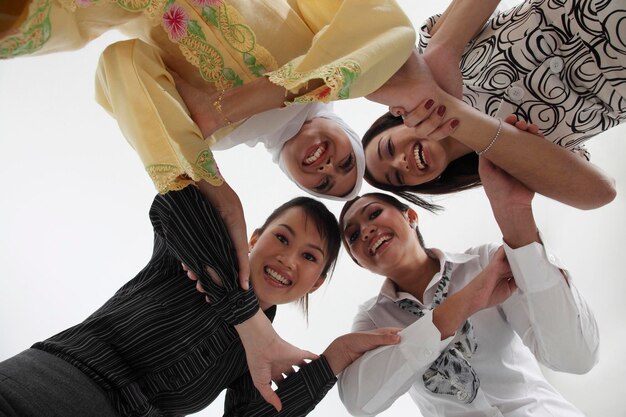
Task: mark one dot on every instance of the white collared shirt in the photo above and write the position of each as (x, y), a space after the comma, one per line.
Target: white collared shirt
(545, 320)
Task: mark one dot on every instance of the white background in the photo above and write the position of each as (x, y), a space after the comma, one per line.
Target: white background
(74, 223)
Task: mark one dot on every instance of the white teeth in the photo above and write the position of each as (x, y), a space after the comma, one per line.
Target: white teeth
(315, 155)
(418, 154)
(377, 244)
(276, 276)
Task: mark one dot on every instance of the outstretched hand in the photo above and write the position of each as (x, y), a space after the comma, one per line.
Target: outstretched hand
(227, 203)
(347, 348)
(268, 355)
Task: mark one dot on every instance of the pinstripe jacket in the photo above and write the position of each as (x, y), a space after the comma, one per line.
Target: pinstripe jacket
(158, 349)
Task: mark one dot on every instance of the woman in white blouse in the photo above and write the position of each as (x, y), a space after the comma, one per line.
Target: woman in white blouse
(476, 324)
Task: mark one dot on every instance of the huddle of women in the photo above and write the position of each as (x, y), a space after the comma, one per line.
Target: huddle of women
(504, 100)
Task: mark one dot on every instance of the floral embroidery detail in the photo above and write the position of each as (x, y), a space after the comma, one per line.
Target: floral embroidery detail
(337, 77)
(33, 33)
(83, 3)
(175, 21)
(167, 177)
(137, 5)
(207, 3)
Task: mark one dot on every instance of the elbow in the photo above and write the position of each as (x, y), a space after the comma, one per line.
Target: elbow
(600, 196)
(350, 401)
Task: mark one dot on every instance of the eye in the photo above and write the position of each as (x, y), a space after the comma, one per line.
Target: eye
(390, 148)
(323, 185)
(399, 178)
(375, 213)
(282, 239)
(347, 164)
(353, 237)
(309, 257)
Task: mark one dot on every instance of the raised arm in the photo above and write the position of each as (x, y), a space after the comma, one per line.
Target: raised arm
(397, 367)
(195, 234)
(454, 29)
(302, 390)
(549, 314)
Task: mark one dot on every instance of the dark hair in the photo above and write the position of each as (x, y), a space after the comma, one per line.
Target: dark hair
(460, 174)
(327, 227)
(385, 198)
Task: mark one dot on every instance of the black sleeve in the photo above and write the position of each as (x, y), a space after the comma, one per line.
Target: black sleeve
(196, 235)
(299, 393)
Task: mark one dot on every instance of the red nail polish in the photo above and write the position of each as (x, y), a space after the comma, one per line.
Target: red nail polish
(429, 104)
(454, 124)
(441, 110)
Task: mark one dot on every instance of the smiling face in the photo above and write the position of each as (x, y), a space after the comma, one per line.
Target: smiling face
(398, 157)
(379, 236)
(287, 259)
(320, 158)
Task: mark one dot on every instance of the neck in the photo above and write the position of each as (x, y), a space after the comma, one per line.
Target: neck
(264, 305)
(414, 276)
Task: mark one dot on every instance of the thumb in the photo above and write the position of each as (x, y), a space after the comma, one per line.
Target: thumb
(269, 395)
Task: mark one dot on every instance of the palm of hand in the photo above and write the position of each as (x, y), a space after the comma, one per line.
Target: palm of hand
(501, 187)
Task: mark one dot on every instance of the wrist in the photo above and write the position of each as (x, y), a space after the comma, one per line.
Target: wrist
(256, 329)
(252, 98)
(335, 357)
(449, 316)
(518, 226)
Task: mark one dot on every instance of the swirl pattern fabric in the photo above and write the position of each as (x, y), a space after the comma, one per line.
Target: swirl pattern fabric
(557, 63)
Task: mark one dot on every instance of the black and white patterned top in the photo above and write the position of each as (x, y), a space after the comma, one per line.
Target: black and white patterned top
(158, 349)
(557, 63)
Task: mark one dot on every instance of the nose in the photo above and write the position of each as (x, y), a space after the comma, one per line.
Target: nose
(286, 259)
(367, 232)
(326, 167)
(399, 162)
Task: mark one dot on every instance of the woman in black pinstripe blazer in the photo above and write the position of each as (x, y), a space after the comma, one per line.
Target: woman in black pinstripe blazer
(156, 348)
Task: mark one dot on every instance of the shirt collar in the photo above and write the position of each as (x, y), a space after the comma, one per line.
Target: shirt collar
(389, 289)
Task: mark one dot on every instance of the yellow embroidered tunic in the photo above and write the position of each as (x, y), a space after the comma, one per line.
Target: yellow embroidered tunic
(353, 45)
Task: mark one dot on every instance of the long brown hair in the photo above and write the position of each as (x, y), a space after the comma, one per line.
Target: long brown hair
(460, 174)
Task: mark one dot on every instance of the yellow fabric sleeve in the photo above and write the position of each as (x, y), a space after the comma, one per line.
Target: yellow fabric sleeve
(133, 85)
(354, 53)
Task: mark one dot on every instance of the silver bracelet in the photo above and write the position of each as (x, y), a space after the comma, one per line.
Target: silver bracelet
(495, 138)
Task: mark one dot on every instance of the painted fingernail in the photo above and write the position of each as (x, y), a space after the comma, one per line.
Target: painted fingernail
(429, 104)
(441, 110)
(454, 124)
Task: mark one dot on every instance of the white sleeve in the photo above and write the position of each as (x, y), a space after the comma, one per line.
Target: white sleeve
(375, 380)
(550, 316)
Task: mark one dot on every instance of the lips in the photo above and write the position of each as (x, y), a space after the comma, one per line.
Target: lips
(379, 244)
(315, 154)
(276, 278)
(419, 156)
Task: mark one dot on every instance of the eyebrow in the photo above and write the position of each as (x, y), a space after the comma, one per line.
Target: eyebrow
(348, 225)
(380, 157)
(293, 233)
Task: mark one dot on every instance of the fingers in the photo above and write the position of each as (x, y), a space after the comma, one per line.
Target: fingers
(444, 130)
(420, 113)
(268, 394)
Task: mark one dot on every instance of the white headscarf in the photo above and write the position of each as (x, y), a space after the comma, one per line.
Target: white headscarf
(275, 127)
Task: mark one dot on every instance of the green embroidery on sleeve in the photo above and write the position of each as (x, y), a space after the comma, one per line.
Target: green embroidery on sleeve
(34, 33)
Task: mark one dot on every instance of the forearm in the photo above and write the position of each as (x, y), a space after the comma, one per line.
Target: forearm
(458, 25)
(550, 315)
(517, 225)
(395, 368)
(539, 164)
(190, 227)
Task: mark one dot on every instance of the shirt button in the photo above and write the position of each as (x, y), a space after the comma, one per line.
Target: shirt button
(516, 93)
(239, 303)
(551, 258)
(556, 65)
(428, 353)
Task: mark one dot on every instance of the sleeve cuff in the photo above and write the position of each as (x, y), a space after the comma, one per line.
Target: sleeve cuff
(534, 267)
(423, 341)
(237, 306)
(318, 377)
